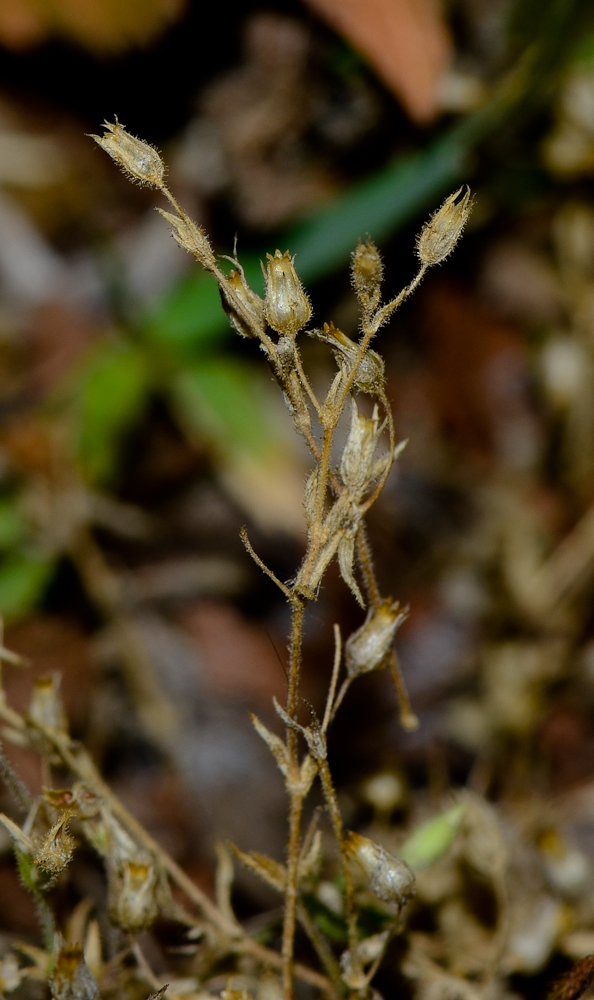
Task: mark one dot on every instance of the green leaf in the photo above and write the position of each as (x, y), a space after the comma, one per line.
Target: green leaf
(110, 395)
(23, 579)
(13, 527)
(190, 318)
(222, 399)
(432, 839)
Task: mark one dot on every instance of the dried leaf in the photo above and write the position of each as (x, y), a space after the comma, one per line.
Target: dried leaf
(406, 41)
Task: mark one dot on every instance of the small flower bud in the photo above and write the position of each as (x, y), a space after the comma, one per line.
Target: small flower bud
(46, 706)
(72, 978)
(190, 237)
(287, 307)
(439, 236)
(139, 160)
(133, 904)
(366, 273)
(389, 877)
(55, 853)
(366, 649)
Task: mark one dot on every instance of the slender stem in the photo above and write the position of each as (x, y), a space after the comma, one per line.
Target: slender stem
(349, 894)
(383, 314)
(328, 713)
(291, 892)
(322, 949)
(244, 537)
(408, 719)
(305, 382)
(296, 803)
(366, 565)
(18, 788)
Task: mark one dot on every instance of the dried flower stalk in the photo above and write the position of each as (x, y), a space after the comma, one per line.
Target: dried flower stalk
(336, 501)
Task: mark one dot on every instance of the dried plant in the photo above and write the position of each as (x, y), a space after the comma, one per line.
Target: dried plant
(337, 497)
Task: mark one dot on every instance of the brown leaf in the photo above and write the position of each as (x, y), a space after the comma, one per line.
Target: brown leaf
(406, 41)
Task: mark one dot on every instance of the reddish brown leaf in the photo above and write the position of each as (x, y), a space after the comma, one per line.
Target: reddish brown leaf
(406, 41)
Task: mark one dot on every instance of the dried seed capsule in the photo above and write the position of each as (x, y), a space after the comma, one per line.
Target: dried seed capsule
(133, 903)
(55, 853)
(370, 373)
(244, 308)
(287, 307)
(439, 236)
(46, 706)
(356, 465)
(366, 649)
(72, 978)
(389, 877)
(367, 271)
(139, 160)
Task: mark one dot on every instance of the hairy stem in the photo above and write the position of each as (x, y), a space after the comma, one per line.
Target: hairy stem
(349, 895)
(296, 804)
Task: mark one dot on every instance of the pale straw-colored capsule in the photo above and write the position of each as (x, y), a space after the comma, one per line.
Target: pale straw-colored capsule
(139, 160)
(287, 306)
(133, 904)
(439, 236)
(388, 877)
(72, 979)
(55, 853)
(46, 706)
(370, 374)
(243, 306)
(366, 649)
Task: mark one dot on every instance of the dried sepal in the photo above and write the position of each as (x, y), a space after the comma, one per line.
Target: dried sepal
(189, 236)
(370, 375)
(346, 563)
(439, 236)
(307, 773)
(310, 862)
(57, 848)
(132, 896)
(274, 743)
(309, 496)
(72, 979)
(287, 306)
(137, 158)
(269, 870)
(388, 877)
(366, 649)
(367, 272)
